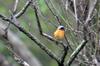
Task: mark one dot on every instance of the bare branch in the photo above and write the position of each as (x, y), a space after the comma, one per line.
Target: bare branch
(68, 43)
(53, 12)
(21, 12)
(75, 9)
(38, 21)
(64, 56)
(76, 52)
(17, 58)
(15, 6)
(91, 9)
(28, 34)
(71, 11)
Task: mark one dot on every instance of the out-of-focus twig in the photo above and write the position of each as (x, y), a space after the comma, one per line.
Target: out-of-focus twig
(75, 10)
(17, 58)
(53, 12)
(3, 61)
(70, 10)
(11, 40)
(91, 9)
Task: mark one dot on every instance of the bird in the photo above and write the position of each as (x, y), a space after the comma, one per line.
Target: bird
(59, 33)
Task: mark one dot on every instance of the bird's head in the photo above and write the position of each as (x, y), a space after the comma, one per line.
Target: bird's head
(61, 28)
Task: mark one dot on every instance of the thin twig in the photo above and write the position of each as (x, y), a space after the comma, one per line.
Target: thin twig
(73, 30)
(75, 9)
(38, 21)
(53, 12)
(91, 9)
(68, 43)
(71, 12)
(42, 15)
(15, 6)
(21, 12)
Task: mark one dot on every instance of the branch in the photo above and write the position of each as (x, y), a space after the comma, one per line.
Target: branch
(33, 38)
(70, 10)
(17, 58)
(91, 9)
(63, 57)
(15, 6)
(38, 21)
(76, 52)
(21, 12)
(68, 43)
(53, 12)
(75, 10)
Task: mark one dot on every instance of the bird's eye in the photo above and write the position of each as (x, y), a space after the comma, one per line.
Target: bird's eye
(62, 28)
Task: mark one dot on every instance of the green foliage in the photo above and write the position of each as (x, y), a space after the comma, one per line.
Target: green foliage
(2, 10)
(42, 6)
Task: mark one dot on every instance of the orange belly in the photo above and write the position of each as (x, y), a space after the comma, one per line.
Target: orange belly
(59, 34)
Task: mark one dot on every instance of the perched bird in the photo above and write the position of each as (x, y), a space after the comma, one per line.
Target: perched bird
(59, 33)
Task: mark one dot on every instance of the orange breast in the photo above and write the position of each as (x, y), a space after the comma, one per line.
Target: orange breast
(59, 34)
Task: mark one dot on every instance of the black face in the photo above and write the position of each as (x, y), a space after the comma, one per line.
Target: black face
(62, 28)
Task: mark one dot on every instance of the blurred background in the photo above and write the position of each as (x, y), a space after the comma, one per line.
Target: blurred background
(49, 23)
